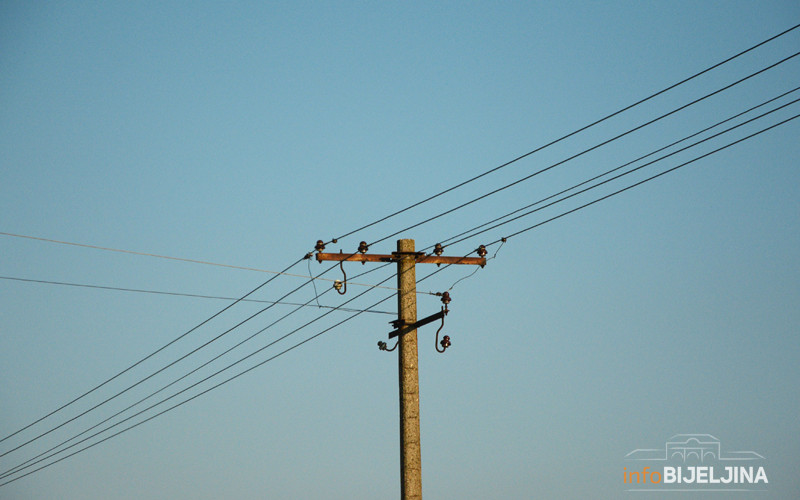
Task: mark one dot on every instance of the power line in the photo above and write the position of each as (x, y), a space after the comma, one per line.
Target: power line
(20, 468)
(90, 391)
(161, 369)
(426, 221)
(586, 127)
(514, 234)
(196, 350)
(27, 464)
(642, 181)
(320, 333)
(596, 146)
(178, 294)
(240, 343)
(310, 279)
(193, 261)
(171, 364)
(622, 166)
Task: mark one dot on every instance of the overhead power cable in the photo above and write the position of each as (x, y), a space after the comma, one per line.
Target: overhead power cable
(472, 201)
(129, 368)
(498, 240)
(605, 197)
(575, 132)
(198, 349)
(596, 146)
(207, 343)
(309, 280)
(28, 463)
(20, 468)
(17, 469)
(178, 294)
(458, 238)
(193, 261)
(502, 239)
(641, 182)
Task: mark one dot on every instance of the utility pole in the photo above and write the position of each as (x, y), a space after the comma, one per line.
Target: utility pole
(410, 451)
(408, 370)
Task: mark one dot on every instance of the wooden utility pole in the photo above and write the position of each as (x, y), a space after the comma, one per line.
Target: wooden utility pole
(410, 452)
(408, 370)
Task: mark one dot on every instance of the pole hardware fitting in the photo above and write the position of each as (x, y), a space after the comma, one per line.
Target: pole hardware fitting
(363, 247)
(320, 246)
(402, 327)
(383, 346)
(482, 251)
(438, 249)
(308, 255)
(445, 343)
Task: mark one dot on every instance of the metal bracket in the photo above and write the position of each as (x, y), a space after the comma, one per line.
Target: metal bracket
(402, 327)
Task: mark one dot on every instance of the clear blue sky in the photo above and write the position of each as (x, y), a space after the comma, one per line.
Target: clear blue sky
(240, 133)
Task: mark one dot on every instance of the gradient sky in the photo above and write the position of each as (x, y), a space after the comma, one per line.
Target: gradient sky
(242, 132)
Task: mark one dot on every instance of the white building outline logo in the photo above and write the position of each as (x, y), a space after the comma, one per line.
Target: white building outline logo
(692, 448)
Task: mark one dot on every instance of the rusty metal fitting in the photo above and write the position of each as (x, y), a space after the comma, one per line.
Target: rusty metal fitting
(362, 247)
(445, 343)
(482, 251)
(320, 246)
(445, 298)
(438, 249)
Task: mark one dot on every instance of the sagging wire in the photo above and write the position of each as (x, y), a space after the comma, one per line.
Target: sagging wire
(481, 250)
(313, 281)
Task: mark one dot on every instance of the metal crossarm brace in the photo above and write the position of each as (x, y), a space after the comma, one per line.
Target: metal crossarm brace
(402, 328)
